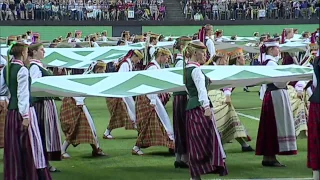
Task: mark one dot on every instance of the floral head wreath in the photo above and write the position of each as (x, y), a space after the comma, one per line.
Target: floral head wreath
(93, 65)
(164, 51)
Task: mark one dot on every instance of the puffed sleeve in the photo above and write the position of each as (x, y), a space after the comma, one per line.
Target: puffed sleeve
(227, 91)
(199, 80)
(23, 93)
(300, 86)
(211, 48)
(152, 97)
(35, 72)
(3, 87)
(179, 63)
(124, 67)
(151, 51)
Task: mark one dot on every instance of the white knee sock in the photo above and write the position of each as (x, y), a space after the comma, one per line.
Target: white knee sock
(107, 132)
(316, 175)
(65, 146)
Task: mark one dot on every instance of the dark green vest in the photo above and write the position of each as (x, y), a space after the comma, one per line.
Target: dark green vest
(13, 85)
(315, 98)
(44, 73)
(193, 100)
(180, 92)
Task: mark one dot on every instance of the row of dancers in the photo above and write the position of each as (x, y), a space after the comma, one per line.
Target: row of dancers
(144, 113)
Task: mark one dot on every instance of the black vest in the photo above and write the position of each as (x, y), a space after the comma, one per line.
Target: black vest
(315, 98)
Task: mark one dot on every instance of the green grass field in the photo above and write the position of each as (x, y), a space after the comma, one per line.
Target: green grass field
(157, 164)
(51, 32)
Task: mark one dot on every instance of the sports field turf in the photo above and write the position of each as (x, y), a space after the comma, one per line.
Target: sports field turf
(51, 32)
(157, 164)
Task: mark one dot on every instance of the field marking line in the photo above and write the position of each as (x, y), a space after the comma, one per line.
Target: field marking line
(244, 109)
(248, 116)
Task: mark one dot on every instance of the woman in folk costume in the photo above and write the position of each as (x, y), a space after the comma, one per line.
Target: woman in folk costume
(218, 35)
(288, 57)
(204, 36)
(35, 38)
(3, 102)
(314, 122)
(206, 154)
(23, 152)
(179, 110)
(228, 121)
(298, 93)
(45, 108)
(76, 121)
(77, 36)
(276, 134)
(153, 122)
(122, 110)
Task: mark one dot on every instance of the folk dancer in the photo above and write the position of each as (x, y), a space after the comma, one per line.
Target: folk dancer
(218, 35)
(153, 122)
(299, 92)
(122, 110)
(23, 153)
(46, 109)
(179, 110)
(76, 121)
(4, 100)
(206, 153)
(228, 121)
(276, 134)
(204, 36)
(77, 36)
(314, 122)
(154, 39)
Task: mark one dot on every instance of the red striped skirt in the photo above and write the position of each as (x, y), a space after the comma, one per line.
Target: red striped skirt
(40, 111)
(314, 137)
(18, 158)
(267, 139)
(205, 155)
(179, 123)
(164, 97)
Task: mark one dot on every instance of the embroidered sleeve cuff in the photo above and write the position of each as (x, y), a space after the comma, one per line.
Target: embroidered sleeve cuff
(25, 116)
(206, 107)
(227, 92)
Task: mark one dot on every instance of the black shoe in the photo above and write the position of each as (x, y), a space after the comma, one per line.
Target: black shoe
(246, 89)
(272, 164)
(171, 151)
(181, 164)
(247, 149)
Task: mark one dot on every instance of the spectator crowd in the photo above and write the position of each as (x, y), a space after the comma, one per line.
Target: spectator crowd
(80, 10)
(250, 9)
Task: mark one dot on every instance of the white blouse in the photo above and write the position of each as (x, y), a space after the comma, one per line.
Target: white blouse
(35, 71)
(153, 97)
(274, 62)
(180, 62)
(211, 47)
(126, 66)
(199, 81)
